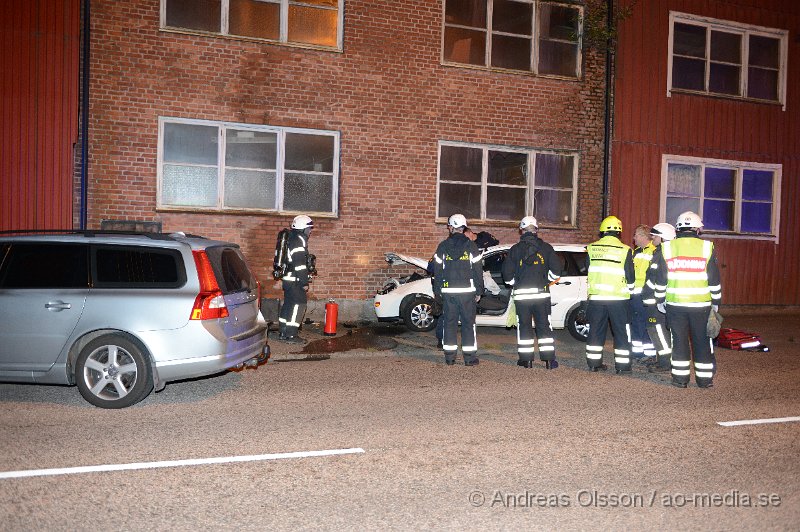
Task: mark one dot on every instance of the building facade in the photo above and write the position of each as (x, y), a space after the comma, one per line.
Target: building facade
(379, 119)
(706, 119)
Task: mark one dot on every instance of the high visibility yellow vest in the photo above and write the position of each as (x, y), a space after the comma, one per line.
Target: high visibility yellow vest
(641, 262)
(606, 276)
(687, 276)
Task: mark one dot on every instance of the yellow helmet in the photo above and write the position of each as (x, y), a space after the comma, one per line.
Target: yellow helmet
(611, 223)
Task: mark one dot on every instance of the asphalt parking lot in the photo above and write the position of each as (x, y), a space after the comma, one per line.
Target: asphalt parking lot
(384, 435)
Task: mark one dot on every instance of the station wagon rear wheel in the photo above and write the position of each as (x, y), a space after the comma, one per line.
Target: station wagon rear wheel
(113, 372)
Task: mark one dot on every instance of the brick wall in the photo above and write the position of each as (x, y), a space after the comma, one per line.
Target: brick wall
(387, 94)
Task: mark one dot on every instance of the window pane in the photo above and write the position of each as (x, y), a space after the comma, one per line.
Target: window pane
(762, 84)
(459, 163)
(308, 192)
(255, 18)
(676, 206)
(554, 170)
(688, 73)
(313, 25)
(465, 46)
(249, 189)
(689, 40)
(454, 198)
(720, 183)
(683, 180)
(503, 203)
(466, 13)
(552, 206)
(757, 217)
(250, 149)
(558, 22)
(189, 185)
(45, 266)
(726, 47)
(201, 15)
(764, 52)
(186, 143)
(757, 185)
(718, 215)
(309, 152)
(507, 168)
(723, 79)
(511, 52)
(558, 58)
(137, 268)
(512, 17)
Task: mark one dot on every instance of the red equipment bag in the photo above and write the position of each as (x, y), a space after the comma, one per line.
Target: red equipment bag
(739, 340)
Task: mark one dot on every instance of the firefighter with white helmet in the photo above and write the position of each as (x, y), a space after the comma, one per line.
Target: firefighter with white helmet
(687, 287)
(295, 281)
(611, 280)
(531, 266)
(657, 326)
(458, 284)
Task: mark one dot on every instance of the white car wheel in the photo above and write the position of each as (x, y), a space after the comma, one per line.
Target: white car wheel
(418, 314)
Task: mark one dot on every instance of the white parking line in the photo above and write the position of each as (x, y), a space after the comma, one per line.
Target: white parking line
(175, 463)
(758, 421)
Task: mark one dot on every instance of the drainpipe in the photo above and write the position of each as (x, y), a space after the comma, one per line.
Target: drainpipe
(84, 113)
(608, 110)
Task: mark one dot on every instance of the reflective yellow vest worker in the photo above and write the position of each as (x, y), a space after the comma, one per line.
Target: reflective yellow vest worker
(641, 262)
(687, 276)
(607, 269)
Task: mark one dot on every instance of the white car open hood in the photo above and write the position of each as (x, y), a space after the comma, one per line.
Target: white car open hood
(396, 258)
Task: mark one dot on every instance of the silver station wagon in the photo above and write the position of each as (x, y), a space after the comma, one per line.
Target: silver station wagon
(120, 315)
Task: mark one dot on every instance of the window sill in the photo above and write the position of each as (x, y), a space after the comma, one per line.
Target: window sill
(200, 33)
(241, 212)
(497, 70)
(714, 95)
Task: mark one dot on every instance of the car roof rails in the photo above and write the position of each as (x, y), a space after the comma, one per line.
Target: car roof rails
(94, 232)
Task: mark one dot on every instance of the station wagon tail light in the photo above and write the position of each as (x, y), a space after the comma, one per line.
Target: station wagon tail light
(209, 303)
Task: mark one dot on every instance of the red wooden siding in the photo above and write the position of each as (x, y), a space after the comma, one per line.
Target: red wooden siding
(648, 124)
(39, 109)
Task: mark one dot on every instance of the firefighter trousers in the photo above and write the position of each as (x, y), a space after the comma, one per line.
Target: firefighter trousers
(599, 313)
(641, 344)
(538, 311)
(293, 309)
(660, 335)
(459, 307)
(691, 344)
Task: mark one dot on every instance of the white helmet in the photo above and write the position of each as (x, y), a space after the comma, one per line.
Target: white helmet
(528, 221)
(664, 230)
(456, 221)
(302, 222)
(689, 220)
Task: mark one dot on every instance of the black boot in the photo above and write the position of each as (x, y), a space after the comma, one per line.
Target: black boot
(525, 363)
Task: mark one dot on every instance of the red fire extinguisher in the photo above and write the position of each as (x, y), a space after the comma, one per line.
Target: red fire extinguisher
(331, 314)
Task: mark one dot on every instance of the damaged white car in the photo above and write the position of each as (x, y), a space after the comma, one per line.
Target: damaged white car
(410, 298)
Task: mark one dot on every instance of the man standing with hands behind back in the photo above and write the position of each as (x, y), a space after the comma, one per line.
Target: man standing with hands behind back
(530, 268)
(458, 282)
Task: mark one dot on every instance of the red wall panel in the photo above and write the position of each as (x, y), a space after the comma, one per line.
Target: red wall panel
(39, 73)
(648, 125)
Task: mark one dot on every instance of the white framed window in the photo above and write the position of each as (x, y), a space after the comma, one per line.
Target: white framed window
(519, 35)
(225, 166)
(727, 59)
(316, 23)
(502, 183)
(733, 198)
